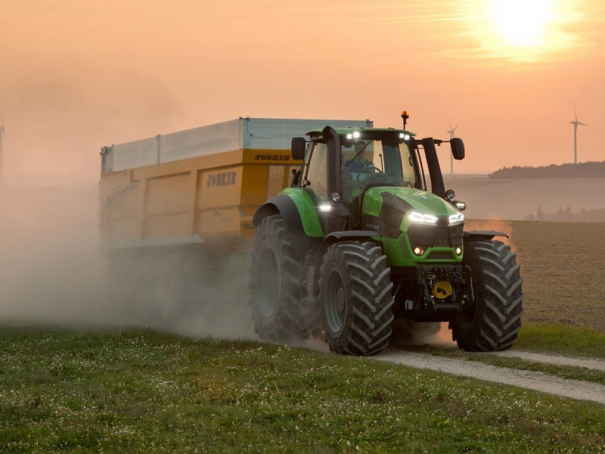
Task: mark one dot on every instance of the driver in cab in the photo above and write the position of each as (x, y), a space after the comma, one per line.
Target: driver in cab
(355, 171)
(358, 163)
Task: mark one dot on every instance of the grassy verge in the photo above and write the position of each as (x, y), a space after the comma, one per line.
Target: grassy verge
(562, 339)
(144, 391)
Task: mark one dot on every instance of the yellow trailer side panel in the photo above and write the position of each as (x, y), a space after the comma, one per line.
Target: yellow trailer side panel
(208, 198)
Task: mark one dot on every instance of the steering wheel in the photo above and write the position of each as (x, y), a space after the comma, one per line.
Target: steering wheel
(373, 168)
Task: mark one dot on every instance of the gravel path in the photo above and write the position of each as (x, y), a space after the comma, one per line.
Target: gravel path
(558, 360)
(536, 381)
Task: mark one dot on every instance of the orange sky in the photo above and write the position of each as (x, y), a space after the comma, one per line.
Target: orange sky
(77, 74)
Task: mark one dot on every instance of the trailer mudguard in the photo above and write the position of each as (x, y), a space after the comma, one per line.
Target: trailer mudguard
(296, 208)
(482, 235)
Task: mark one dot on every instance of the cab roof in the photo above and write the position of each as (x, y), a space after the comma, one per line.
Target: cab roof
(371, 132)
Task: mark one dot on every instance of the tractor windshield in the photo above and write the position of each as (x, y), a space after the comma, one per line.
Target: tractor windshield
(364, 162)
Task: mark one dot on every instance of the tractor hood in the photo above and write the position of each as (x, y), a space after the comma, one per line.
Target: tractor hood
(391, 210)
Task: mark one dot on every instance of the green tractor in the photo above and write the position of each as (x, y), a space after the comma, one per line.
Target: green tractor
(358, 240)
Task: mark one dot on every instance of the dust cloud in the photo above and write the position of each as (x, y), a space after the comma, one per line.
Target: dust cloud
(425, 333)
(52, 272)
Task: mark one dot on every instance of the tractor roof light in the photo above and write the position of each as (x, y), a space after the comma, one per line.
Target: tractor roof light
(415, 216)
(457, 218)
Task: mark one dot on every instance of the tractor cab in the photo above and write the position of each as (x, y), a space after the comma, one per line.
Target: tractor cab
(342, 165)
(366, 157)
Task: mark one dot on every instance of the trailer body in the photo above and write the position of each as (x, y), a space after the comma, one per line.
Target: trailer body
(198, 186)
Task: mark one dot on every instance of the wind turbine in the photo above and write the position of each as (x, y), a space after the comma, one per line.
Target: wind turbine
(451, 133)
(575, 134)
(2, 153)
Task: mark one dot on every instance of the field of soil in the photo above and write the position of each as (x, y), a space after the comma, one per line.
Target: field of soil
(563, 266)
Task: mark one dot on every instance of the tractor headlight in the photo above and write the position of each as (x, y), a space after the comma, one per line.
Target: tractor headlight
(415, 216)
(418, 250)
(457, 218)
(325, 207)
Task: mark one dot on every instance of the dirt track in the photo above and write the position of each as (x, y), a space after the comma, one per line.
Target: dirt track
(536, 381)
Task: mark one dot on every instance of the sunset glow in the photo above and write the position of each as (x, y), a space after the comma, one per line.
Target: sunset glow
(525, 31)
(80, 75)
(521, 23)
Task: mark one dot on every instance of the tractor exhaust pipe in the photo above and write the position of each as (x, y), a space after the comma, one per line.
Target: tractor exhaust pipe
(432, 162)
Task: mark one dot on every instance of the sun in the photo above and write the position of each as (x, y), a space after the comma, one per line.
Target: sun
(521, 23)
(523, 31)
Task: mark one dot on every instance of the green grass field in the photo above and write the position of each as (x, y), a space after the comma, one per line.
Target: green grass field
(141, 391)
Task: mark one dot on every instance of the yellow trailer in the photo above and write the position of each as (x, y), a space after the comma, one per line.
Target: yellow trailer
(200, 186)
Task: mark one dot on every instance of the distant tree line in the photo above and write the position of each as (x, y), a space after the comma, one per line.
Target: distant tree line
(566, 215)
(582, 170)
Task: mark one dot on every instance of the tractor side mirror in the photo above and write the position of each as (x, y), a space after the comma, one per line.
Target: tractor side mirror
(299, 146)
(458, 204)
(457, 148)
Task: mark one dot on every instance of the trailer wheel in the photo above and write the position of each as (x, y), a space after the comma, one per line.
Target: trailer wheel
(493, 322)
(277, 309)
(356, 298)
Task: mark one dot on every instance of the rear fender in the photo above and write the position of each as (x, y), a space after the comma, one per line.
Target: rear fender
(297, 210)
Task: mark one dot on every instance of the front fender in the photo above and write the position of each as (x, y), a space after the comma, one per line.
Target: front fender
(481, 235)
(337, 237)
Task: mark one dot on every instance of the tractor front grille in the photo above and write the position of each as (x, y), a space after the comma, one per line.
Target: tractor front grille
(427, 236)
(441, 255)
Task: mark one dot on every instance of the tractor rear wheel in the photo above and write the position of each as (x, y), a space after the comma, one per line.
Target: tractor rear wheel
(356, 298)
(492, 323)
(276, 282)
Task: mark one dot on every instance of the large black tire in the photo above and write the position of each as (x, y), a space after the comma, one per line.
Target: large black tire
(355, 293)
(278, 311)
(493, 322)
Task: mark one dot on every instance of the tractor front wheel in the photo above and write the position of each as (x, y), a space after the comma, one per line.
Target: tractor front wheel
(356, 298)
(492, 323)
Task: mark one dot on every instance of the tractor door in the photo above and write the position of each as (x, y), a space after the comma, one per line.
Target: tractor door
(321, 179)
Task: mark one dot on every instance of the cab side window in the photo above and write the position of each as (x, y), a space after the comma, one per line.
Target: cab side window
(317, 175)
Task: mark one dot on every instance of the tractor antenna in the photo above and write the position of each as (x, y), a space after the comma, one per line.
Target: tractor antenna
(405, 115)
